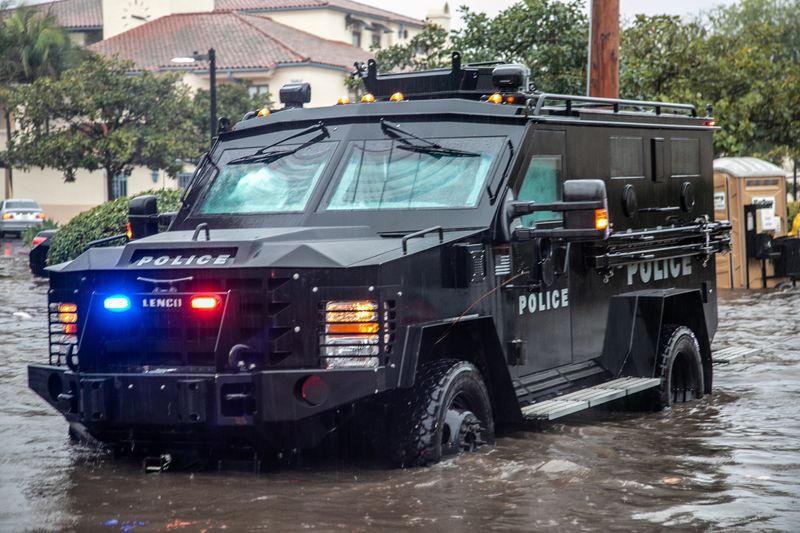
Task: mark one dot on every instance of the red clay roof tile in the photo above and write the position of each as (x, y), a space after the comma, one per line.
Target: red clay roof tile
(241, 42)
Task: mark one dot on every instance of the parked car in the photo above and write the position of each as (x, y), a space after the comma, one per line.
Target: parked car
(18, 215)
(40, 245)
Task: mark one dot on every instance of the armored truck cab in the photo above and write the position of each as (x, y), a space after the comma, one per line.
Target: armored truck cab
(451, 255)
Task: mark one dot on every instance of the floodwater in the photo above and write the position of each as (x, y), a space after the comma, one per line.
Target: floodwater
(729, 462)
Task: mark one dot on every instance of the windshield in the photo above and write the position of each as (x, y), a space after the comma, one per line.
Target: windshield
(21, 204)
(279, 183)
(404, 174)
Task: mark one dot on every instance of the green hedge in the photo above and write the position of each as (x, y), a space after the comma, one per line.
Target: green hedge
(28, 235)
(102, 221)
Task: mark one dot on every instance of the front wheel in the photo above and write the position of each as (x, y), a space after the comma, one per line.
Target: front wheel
(680, 367)
(446, 412)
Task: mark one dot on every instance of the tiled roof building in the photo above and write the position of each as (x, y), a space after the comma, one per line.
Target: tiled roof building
(266, 43)
(242, 42)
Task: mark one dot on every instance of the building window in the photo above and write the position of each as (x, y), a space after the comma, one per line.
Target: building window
(119, 186)
(260, 92)
(184, 178)
(154, 175)
(376, 40)
(357, 38)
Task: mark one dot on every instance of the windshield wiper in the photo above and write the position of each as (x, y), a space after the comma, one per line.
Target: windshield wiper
(263, 155)
(200, 172)
(429, 147)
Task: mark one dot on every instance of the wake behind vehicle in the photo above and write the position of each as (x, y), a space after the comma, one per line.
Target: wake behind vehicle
(452, 256)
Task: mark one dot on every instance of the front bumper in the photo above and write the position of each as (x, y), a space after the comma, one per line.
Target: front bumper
(102, 402)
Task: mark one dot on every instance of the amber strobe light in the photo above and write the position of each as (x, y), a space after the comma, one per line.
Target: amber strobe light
(63, 329)
(368, 98)
(350, 338)
(496, 98)
(344, 100)
(600, 219)
(397, 97)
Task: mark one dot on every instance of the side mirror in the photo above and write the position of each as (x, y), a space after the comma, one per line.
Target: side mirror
(585, 209)
(142, 217)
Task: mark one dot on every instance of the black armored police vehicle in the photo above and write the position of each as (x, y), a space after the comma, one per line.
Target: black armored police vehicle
(452, 255)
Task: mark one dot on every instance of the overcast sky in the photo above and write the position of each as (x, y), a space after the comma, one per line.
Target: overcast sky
(628, 8)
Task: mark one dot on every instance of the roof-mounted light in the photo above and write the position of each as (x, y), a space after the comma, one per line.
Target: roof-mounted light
(344, 100)
(496, 98)
(397, 97)
(368, 98)
(263, 112)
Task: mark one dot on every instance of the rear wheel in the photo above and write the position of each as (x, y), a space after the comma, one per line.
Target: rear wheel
(680, 367)
(446, 412)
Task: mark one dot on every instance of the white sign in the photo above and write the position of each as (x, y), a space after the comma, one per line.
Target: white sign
(766, 215)
(719, 201)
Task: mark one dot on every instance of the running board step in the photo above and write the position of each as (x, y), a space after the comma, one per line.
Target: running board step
(727, 355)
(587, 398)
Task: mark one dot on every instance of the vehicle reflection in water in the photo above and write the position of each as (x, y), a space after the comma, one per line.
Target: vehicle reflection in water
(731, 461)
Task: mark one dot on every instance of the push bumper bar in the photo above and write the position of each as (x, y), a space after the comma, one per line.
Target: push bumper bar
(199, 400)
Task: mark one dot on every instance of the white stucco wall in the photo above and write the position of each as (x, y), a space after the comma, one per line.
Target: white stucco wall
(330, 24)
(327, 85)
(61, 201)
(115, 10)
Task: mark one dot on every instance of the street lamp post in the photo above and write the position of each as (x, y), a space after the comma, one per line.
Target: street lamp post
(211, 57)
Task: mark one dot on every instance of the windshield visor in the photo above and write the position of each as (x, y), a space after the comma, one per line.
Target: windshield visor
(406, 174)
(278, 181)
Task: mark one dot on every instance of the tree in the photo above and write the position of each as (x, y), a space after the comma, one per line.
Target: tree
(549, 36)
(743, 59)
(32, 45)
(426, 50)
(100, 116)
(233, 101)
(661, 58)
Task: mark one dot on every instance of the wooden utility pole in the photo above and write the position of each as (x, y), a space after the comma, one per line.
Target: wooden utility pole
(604, 49)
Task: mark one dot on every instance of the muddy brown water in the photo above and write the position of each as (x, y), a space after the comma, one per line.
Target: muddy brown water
(729, 462)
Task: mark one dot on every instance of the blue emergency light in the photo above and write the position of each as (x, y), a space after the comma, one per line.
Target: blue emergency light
(118, 303)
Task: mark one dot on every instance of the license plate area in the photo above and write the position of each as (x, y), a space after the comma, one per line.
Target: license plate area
(154, 329)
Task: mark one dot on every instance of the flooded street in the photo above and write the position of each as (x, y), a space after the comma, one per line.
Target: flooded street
(728, 462)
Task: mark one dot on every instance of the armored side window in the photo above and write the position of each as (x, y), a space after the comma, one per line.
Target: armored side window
(540, 184)
(657, 163)
(627, 159)
(685, 158)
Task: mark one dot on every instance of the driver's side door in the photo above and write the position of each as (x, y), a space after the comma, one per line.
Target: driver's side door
(542, 320)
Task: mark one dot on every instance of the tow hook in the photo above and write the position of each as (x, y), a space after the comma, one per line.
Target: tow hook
(156, 465)
(236, 358)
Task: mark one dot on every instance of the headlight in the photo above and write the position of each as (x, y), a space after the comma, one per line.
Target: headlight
(350, 338)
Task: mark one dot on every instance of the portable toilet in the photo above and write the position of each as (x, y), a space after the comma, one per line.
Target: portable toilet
(751, 193)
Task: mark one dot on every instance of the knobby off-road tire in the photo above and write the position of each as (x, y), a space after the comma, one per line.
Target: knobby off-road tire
(447, 411)
(680, 367)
